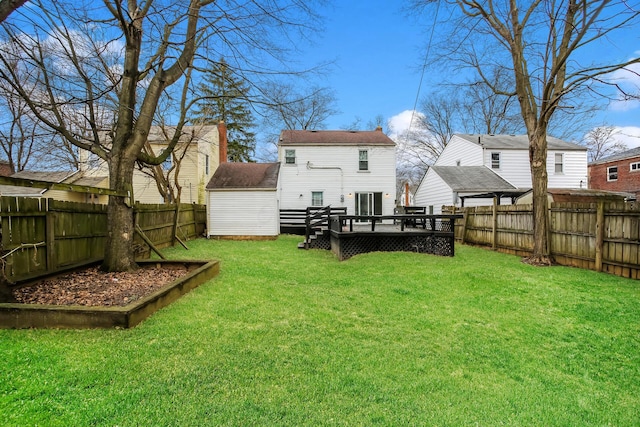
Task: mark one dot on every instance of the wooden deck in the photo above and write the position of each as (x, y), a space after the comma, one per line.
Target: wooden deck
(349, 235)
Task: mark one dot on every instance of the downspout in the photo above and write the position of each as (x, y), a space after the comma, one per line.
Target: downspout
(310, 166)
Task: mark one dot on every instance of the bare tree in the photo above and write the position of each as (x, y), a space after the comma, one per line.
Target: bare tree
(125, 57)
(8, 6)
(600, 143)
(541, 43)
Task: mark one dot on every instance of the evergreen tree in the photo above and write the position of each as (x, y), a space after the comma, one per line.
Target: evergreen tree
(224, 97)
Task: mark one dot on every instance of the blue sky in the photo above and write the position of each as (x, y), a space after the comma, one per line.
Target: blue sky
(379, 52)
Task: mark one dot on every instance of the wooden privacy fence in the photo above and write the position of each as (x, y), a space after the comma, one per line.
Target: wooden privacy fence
(41, 236)
(598, 236)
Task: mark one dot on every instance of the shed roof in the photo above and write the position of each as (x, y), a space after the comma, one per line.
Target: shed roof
(245, 176)
(472, 179)
(634, 152)
(518, 142)
(335, 137)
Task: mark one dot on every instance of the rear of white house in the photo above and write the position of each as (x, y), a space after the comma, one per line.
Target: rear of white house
(352, 169)
(506, 174)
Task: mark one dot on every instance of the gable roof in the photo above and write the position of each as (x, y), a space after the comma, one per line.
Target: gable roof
(466, 179)
(634, 152)
(245, 176)
(335, 137)
(517, 142)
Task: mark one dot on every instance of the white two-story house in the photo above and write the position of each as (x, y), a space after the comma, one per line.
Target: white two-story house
(338, 168)
(472, 169)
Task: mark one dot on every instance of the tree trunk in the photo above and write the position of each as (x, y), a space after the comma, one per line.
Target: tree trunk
(538, 156)
(118, 254)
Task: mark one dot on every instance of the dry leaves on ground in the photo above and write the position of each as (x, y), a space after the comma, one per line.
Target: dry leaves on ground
(92, 287)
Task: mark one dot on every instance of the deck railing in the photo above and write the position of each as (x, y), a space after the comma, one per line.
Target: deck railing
(356, 234)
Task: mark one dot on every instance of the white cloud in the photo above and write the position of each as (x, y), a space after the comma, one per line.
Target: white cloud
(400, 123)
(627, 79)
(629, 135)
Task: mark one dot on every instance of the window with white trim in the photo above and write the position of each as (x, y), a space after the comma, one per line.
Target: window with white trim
(635, 166)
(612, 173)
(363, 160)
(559, 163)
(316, 198)
(290, 157)
(167, 164)
(495, 160)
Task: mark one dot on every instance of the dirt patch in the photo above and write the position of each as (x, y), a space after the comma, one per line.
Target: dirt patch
(92, 287)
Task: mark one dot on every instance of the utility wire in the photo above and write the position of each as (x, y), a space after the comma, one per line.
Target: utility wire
(424, 67)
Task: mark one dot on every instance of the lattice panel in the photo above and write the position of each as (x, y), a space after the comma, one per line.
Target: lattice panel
(436, 245)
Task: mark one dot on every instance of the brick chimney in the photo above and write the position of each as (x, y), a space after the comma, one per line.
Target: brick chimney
(379, 128)
(222, 141)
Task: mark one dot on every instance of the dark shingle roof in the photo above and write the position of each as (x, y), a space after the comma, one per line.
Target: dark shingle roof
(517, 142)
(472, 179)
(634, 152)
(245, 176)
(334, 137)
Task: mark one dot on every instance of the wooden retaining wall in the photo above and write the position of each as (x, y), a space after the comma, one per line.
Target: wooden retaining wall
(598, 236)
(42, 236)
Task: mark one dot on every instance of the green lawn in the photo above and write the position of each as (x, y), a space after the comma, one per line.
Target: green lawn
(291, 337)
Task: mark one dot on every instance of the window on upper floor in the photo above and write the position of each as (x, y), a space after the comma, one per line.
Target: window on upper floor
(559, 163)
(290, 157)
(363, 160)
(316, 198)
(612, 173)
(635, 166)
(167, 164)
(495, 160)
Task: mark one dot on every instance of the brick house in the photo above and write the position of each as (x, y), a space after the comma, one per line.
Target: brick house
(619, 172)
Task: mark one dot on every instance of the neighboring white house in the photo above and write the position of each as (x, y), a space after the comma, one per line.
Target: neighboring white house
(197, 151)
(242, 200)
(472, 169)
(340, 168)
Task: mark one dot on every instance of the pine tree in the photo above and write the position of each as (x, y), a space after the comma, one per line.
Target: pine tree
(224, 97)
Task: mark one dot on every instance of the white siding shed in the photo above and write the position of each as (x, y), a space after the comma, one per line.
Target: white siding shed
(243, 201)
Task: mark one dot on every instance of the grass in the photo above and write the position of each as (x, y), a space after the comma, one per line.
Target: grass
(291, 337)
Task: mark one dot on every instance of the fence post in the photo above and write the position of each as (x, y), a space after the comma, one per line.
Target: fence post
(464, 224)
(494, 237)
(599, 235)
(50, 237)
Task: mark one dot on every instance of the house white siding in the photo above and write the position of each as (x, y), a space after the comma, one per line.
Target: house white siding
(514, 166)
(333, 170)
(462, 151)
(433, 192)
(574, 174)
(243, 213)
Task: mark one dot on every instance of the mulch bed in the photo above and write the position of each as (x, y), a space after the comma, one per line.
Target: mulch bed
(92, 287)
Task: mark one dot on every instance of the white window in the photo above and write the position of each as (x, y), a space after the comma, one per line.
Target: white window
(559, 163)
(634, 167)
(612, 173)
(316, 198)
(167, 164)
(290, 157)
(495, 160)
(363, 163)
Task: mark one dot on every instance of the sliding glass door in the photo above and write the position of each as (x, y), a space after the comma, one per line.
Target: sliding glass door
(368, 203)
